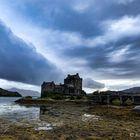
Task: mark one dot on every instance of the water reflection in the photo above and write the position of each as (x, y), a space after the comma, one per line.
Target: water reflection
(14, 112)
(43, 117)
(53, 115)
(24, 115)
(136, 109)
(43, 110)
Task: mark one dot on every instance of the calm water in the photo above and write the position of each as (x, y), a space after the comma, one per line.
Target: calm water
(11, 111)
(22, 114)
(41, 118)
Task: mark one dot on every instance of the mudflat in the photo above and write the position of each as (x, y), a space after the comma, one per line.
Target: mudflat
(76, 121)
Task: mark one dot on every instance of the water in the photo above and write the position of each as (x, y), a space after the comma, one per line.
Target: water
(14, 112)
(21, 114)
(136, 109)
(43, 117)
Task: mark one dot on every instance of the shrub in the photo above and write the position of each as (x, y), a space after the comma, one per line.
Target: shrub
(72, 98)
(96, 93)
(28, 97)
(79, 97)
(44, 95)
(58, 97)
(116, 102)
(83, 93)
(128, 102)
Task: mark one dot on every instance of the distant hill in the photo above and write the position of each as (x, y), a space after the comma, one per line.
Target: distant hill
(6, 93)
(132, 90)
(24, 92)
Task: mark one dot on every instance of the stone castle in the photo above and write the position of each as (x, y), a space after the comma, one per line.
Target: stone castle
(72, 86)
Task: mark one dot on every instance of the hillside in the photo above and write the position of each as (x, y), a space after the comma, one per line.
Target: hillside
(25, 93)
(132, 90)
(6, 93)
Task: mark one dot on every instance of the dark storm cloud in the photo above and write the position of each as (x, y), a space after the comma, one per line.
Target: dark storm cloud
(89, 83)
(20, 62)
(59, 14)
(62, 15)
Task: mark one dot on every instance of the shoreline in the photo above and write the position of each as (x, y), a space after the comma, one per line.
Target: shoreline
(38, 102)
(43, 102)
(113, 123)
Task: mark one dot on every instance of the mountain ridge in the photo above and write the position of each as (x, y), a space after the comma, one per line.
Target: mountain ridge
(25, 92)
(6, 93)
(132, 90)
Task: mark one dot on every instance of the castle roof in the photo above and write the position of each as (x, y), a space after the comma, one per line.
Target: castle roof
(73, 76)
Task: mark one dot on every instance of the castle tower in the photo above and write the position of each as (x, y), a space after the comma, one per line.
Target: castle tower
(47, 87)
(73, 84)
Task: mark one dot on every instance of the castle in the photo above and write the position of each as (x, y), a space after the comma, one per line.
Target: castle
(72, 86)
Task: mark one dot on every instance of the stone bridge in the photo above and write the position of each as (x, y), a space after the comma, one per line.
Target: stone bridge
(107, 99)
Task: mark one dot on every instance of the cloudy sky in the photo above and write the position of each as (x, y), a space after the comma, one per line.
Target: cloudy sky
(47, 39)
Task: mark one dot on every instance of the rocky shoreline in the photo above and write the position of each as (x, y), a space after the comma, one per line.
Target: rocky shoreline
(76, 121)
(39, 102)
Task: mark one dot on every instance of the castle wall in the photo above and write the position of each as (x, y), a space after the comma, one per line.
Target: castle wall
(72, 86)
(59, 88)
(47, 88)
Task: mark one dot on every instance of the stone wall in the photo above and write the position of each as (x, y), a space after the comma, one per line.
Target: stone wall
(72, 86)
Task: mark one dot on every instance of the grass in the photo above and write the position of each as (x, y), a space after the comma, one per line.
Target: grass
(116, 102)
(115, 123)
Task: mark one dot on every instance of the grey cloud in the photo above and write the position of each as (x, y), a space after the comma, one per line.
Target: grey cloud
(89, 83)
(59, 14)
(20, 61)
(99, 60)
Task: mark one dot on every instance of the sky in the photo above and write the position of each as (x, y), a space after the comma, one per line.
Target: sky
(44, 40)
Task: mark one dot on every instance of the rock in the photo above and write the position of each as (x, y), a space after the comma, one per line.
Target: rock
(136, 109)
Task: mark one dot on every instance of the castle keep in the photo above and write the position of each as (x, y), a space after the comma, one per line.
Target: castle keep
(72, 86)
